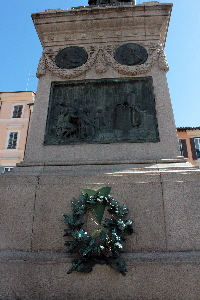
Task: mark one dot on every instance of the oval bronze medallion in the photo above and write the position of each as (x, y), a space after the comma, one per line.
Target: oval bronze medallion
(71, 57)
(130, 54)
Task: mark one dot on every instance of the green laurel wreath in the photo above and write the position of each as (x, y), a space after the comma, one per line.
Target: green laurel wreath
(105, 244)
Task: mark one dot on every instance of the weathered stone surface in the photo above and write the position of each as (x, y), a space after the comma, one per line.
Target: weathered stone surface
(95, 23)
(17, 202)
(164, 225)
(162, 220)
(52, 200)
(151, 276)
(182, 207)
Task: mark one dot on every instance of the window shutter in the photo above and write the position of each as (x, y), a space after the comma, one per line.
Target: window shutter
(17, 112)
(184, 148)
(12, 142)
(194, 155)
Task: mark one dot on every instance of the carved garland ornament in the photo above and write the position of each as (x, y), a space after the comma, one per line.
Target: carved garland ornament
(102, 57)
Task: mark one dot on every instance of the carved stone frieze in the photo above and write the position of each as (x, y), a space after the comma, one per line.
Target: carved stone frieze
(102, 56)
(163, 63)
(50, 64)
(41, 70)
(101, 62)
(155, 53)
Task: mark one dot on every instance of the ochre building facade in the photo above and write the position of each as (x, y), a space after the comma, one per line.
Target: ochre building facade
(15, 113)
(189, 142)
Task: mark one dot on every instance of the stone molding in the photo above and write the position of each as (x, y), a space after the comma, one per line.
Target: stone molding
(101, 56)
(165, 163)
(131, 258)
(79, 25)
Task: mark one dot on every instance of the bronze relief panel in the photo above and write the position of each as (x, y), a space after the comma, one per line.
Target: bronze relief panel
(102, 111)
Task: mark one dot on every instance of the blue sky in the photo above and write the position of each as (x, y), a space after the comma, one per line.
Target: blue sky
(20, 51)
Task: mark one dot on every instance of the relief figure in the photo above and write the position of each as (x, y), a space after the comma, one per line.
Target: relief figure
(64, 126)
(82, 123)
(98, 119)
(128, 114)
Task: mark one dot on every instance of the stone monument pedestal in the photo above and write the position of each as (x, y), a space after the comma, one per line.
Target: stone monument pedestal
(162, 257)
(143, 169)
(99, 33)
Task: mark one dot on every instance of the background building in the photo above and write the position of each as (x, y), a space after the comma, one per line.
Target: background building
(15, 114)
(189, 141)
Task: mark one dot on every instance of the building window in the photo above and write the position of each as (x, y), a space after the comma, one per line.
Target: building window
(17, 112)
(12, 142)
(183, 147)
(7, 169)
(197, 146)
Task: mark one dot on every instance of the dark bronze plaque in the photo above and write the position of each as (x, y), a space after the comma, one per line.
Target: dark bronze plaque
(130, 54)
(71, 57)
(102, 111)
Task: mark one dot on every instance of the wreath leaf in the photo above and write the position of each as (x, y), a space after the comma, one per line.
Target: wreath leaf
(102, 192)
(98, 211)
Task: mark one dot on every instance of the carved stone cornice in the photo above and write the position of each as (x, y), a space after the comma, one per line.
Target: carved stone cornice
(102, 57)
(85, 25)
